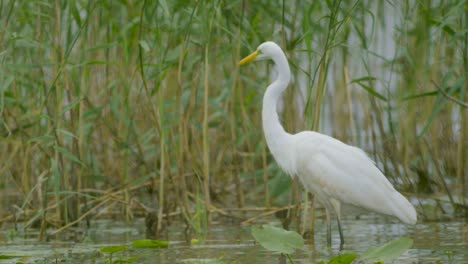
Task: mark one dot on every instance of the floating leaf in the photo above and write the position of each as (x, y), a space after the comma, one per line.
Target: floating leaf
(8, 257)
(345, 258)
(126, 260)
(277, 239)
(148, 243)
(389, 251)
(113, 249)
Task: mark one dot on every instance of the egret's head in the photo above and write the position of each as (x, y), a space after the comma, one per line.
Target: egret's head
(266, 50)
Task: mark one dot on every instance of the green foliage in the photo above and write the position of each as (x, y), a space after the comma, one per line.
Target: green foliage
(388, 251)
(148, 243)
(371, 91)
(114, 249)
(107, 95)
(345, 258)
(277, 239)
(215, 261)
(286, 242)
(199, 220)
(138, 244)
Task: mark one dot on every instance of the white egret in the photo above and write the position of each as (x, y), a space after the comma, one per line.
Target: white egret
(332, 170)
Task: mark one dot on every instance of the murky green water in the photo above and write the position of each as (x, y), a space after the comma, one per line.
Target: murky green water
(436, 242)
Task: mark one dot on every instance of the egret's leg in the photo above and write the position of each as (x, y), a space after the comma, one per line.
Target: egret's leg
(337, 207)
(329, 234)
(341, 233)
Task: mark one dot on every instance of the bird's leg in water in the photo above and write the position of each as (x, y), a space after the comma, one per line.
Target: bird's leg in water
(336, 205)
(341, 232)
(329, 236)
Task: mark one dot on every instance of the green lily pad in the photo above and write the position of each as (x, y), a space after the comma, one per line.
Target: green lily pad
(8, 257)
(148, 243)
(389, 251)
(345, 258)
(277, 239)
(113, 249)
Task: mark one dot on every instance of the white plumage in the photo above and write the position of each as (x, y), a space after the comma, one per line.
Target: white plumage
(332, 170)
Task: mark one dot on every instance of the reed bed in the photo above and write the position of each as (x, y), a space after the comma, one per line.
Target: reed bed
(129, 108)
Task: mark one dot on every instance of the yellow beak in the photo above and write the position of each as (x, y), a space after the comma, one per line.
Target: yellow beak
(249, 58)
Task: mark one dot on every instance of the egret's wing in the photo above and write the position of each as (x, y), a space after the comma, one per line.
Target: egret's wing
(336, 170)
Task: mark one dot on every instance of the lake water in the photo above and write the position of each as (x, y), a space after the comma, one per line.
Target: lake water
(434, 242)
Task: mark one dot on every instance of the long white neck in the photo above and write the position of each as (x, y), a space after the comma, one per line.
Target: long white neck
(279, 141)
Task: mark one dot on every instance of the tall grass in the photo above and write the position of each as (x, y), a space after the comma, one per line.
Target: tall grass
(115, 108)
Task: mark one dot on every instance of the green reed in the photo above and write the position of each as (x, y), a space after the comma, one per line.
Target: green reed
(111, 107)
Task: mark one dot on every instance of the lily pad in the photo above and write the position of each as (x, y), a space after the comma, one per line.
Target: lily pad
(148, 243)
(8, 257)
(277, 239)
(113, 249)
(389, 251)
(345, 258)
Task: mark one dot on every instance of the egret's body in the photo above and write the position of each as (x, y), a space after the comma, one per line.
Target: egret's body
(332, 170)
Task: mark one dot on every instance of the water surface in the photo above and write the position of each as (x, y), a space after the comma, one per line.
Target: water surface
(227, 242)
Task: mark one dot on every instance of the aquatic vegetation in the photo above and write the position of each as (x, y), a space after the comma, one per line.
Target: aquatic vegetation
(388, 251)
(344, 258)
(112, 110)
(149, 243)
(112, 250)
(137, 244)
(278, 239)
(286, 242)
